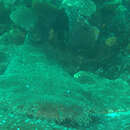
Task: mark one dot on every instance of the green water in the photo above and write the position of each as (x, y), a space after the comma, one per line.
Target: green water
(64, 65)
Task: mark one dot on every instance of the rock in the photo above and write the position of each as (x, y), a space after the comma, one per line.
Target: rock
(85, 77)
(84, 37)
(24, 18)
(4, 14)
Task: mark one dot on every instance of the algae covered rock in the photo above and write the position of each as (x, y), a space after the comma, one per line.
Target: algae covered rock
(23, 17)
